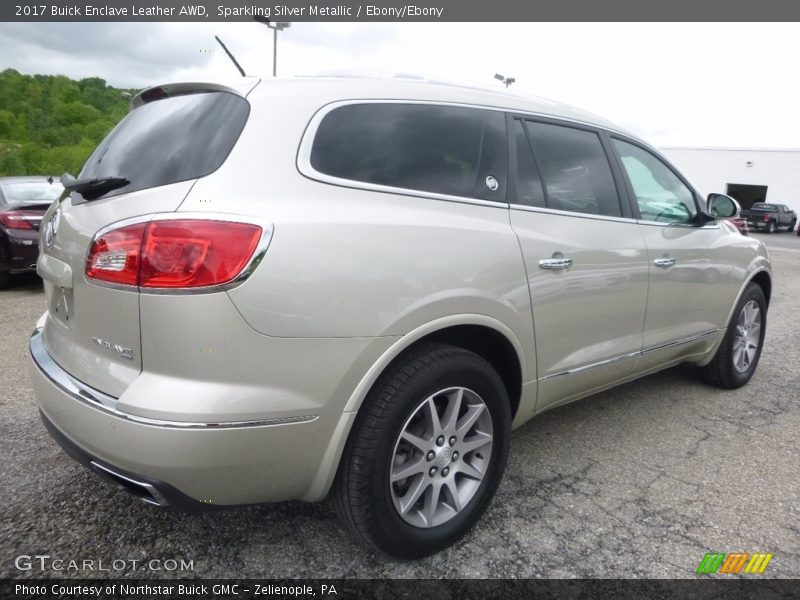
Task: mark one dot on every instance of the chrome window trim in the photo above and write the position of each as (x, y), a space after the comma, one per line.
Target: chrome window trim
(567, 213)
(580, 215)
(710, 225)
(307, 142)
(108, 404)
(608, 361)
(267, 231)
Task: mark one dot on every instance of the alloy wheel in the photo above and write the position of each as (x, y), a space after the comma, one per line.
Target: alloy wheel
(441, 457)
(747, 337)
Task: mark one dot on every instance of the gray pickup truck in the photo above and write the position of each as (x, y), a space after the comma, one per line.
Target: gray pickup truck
(770, 217)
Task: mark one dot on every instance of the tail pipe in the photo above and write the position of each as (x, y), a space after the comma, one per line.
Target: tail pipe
(140, 489)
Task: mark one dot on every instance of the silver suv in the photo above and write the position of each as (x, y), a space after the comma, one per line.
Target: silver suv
(350, 288)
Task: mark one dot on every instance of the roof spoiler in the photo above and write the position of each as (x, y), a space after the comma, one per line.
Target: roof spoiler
(241, 87)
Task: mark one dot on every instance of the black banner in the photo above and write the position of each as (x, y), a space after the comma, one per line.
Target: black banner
(410, 589)
(398, 10)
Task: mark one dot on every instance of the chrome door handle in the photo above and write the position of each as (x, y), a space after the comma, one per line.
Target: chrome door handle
(554, 264)
(664, 262)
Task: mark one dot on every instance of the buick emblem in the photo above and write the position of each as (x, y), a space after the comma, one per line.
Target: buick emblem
(52, 227)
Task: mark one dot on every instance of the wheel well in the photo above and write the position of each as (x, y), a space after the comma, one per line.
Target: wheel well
(493, 347)
(764, 281)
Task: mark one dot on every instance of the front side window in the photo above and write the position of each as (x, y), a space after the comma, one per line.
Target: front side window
(660, 194)
(441, 149)
(575, 170)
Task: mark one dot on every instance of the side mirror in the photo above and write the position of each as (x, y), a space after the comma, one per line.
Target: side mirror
(721, 206)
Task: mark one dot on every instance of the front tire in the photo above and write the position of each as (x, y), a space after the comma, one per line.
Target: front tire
(426, 453)
(737, 357)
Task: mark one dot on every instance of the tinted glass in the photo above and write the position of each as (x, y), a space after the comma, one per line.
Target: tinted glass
(575, 170)
(529, 185)
(660, 194)
(32, 192)
(761, 206)
(170, 140)
(442, 149)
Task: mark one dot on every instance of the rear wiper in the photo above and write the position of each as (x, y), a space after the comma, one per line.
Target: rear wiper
(91, 189)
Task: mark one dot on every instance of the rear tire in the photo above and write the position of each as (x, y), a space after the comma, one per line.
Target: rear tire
(737, 357)
(772, 227)
(403, 487)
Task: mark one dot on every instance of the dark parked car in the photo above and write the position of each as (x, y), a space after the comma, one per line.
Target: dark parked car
(23, 201)
(770, 217)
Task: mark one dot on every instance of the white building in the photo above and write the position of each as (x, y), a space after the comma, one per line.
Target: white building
(747, 174)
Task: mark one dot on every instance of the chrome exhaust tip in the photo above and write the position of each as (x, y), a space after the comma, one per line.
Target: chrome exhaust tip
(142, 490)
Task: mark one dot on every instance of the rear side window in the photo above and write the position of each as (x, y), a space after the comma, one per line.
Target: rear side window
(170, 140)
(529, 186)
(441, 149)
(575, 170)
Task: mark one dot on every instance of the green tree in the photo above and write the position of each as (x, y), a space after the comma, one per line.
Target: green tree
(49, 124)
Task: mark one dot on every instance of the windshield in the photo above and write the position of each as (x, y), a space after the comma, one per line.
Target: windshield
(23, 193)
(169, 140)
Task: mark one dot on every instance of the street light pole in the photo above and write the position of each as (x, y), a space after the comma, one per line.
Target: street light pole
(276, 27)
(507, 80)
(274, 52)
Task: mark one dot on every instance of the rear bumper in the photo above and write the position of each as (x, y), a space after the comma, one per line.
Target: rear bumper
(189, 466)
(148, 489)
(758, 224)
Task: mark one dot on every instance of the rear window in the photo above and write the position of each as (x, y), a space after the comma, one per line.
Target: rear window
(32, 192)
(449, 150)
(764, 207)
(170, 140)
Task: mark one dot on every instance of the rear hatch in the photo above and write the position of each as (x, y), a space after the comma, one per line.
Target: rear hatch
(146, 165)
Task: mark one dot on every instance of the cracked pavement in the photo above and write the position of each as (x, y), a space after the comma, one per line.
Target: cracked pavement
(638, 481)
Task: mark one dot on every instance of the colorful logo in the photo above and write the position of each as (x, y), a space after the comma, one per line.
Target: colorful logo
(732, 563)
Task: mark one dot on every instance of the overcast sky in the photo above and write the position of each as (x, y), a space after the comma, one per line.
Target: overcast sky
(674, 84)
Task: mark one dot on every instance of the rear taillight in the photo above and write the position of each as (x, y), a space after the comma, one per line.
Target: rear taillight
(173, 253)
(115, 256)
(194, 253)
(16, 219)
(765, 218)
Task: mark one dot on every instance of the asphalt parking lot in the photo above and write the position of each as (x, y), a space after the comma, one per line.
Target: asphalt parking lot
(639, 481)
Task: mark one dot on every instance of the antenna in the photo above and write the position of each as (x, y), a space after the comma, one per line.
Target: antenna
(228, 52)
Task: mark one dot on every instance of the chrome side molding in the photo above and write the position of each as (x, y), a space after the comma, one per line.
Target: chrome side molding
(608, 361)
(97, 399)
